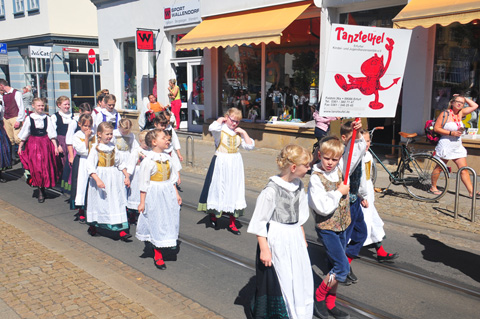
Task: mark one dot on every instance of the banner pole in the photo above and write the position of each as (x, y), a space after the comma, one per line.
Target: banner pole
(350, 153)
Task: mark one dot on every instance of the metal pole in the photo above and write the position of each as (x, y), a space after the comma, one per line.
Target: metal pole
(188, 161)
(94, 85)
(474, 192)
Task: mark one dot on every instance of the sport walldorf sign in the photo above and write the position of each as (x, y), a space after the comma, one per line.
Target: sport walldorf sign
(39, 52)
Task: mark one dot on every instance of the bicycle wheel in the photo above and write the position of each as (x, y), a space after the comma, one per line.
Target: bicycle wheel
(418, 173)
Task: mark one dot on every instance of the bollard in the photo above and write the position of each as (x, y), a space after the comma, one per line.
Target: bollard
(187, 160)
(457, 191)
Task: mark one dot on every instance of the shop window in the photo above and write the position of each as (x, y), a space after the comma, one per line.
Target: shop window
(129, 75)
(36, 76)
(32, 5)
(18, 7)
(2, 9)
(291, 73)
(81, 78)
(456, 67)
(186, 53)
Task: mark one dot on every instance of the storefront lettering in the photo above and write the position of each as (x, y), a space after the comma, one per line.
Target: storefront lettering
(359, 37)
(180, 11)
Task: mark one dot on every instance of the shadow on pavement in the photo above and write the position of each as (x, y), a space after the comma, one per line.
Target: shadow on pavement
(436, 251)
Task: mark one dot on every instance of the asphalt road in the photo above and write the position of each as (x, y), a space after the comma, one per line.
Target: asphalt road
(214, 267)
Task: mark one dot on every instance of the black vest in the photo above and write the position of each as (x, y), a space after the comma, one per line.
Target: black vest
(34, 131)
(62, 128)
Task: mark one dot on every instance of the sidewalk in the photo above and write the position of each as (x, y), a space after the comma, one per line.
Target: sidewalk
(396, 206)
(60, 276)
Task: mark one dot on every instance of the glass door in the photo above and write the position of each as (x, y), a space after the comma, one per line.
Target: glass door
(189, 75)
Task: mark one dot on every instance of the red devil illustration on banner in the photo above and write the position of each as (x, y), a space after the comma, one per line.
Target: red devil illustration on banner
(373, 69)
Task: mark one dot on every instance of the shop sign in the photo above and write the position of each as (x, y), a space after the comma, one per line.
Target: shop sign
(145, 40)
(71, 50)
(3, 48)
(182, 13)
(364, 71)
(39, 52)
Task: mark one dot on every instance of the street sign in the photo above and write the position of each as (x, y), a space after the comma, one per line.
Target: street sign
(145, 40)
(91, 56)
(3, 48)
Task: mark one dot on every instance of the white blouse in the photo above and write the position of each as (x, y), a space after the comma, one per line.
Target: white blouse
(92, 160)
(149, 167)
(38, 120)
(79, 145)
(175, 144)
(109, 117)
(265, 206)
(66, 118)
(217, 128)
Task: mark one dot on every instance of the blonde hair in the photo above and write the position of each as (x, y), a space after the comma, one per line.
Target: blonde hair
(293, 154)
(61, 99)
(142, 134)
(109, 97)
(173, 81)
(38, 99)
(331, 145)
(104, 126)
(151, 135)
(233, 111)
(126, 124)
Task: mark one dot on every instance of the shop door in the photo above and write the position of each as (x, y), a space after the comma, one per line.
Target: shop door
(190, 81)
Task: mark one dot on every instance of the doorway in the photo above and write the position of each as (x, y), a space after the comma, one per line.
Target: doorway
(190, 81)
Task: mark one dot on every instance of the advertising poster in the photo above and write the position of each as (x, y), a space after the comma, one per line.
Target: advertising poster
(364, 71)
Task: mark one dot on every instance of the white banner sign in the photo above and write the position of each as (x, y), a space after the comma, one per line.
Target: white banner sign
(182, 13)
(39, 52)
(364, 71)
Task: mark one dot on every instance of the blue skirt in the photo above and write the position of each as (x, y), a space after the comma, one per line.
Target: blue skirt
(5, 154)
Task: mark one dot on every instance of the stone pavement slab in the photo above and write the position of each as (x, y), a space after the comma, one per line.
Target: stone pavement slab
(47, 273)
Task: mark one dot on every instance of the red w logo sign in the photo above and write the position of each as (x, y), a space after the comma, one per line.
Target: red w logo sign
(168, 13)
(145, 40)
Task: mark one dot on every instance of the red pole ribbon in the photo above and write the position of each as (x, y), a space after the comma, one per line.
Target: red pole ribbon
(350, 153)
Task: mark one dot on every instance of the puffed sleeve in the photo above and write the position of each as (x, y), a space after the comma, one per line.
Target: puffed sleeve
(304, 211)
(147, 169)
(79, 146)
(322, 202)
(263, 212)
(92, 161)
(175, 141)
(246, 146)
(53, 118)
(25, 131)
(70, 131)
(51, 131)
(216, 129)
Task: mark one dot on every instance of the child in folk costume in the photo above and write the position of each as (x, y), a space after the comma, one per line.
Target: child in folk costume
(125, 142)
(73, 128)
(106, 195)
(329, 201)
(174, 149)
(107, 113)
(133, 195)
(224, 187)
(5, 155)
(282, 256)
(82, 142)
(40, 155)
(61, 120)
(374, 223)
(160, 202)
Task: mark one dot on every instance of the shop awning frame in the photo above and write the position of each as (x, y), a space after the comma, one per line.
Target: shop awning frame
(425, 13)
(249, 27)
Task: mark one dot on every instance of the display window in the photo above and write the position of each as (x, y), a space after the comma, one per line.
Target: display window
(130, 75)
(291, 74)
(456, 67)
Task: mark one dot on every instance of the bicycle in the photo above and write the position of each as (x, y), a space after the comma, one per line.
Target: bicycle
(414, 171)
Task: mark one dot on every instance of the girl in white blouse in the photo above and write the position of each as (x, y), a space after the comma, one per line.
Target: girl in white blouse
(160, 202)
(280, 212)
(39, 158)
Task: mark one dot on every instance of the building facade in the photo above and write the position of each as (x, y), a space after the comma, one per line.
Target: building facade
(47, 44)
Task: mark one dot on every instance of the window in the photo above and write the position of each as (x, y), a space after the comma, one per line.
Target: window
(36, 76)
(32, 5)
(81, 78)
(128, 51)
(2, 10)
(18, 7)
